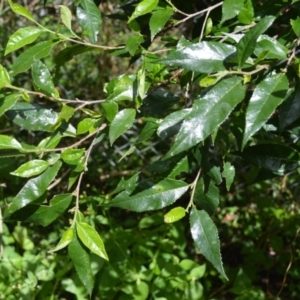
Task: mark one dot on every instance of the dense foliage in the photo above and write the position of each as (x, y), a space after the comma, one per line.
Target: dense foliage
(149, 149)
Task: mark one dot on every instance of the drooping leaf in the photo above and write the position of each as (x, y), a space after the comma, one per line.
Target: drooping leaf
(4, 77)
(89, 18)
(31, 168)
(174, 214)
(278, 159)
(144, 7)
(228, 173)
(121, 123)
(65, 240)
(21, 38)
(33, 189)
(159, 19)
(82, 263)
(247, 44)
(231, 8)
(42, 79)
(205, 234)
(7, 102)
(91, 239)
(268, 94)
(32, 116)
(150, 196)
(208, 113)
(24, 61)
(205, 57)
(21, 10)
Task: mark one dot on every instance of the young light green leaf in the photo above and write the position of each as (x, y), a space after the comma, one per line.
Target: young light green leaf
(205, 234)
(66, 113)
(296, 26)
(72, 156)
(89, 19)
(268, 94)
(246, 15)
(65, 240)
(8, 102)
(33, 189)
(174, 215)
(144, 7)
(21, 10)
(21, 38)
(231, 8)
(159, 19)
(31, 168)
(86, 125)
(26, 58)
(247, 44)
(7, 142)
(205, 57)
(66, 16)
(4, 77)
(208, 113)
(110, 110)
(43, 80)
(121, 123)
(151, 195)
(133, 43)
(91, 239)
(228, 173)
(82, 263)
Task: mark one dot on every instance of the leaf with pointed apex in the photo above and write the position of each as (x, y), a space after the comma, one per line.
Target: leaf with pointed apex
(31, 168)
(208, 113)
(89, 19)
(82, 263)
(91, 239)
(205, 57)
(296, 26)
(267, 95)
(205, 234)
(24, 61)
(144, 7)
(65, 240)
(231, 8)
(247, 44)
(4, 77)
(21, 38)
(8, 102)
(150, 196)
(66, 16)
(121, 123)
(174, 215)
(7, 142)
(33, 189)
(43, 80)
(159, 19)
(21, 10)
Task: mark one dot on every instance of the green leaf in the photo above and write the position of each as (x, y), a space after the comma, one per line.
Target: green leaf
(128, 152)
(110, 110)
(4, 77)
(121, 123)
(33, 189)
(231, 8)
(65, 240)
(150, 196)
(208, 113)
(174, 215)
(8, 102)
(72, 156)
(133, 43)
(296, 26)
(268, 94)
(206, 196)
(205, 57)
(43, 80)
(276, 158)
(246, 15)
(21, 10)
(89, 19)
(228, 174)
(205, 234)
(144, 7)
(7, 142)
(247, 44)
(33, 117)
(140, 291)
(148, 130)
(24, 61)
(82, 263)
(21, 38)
(86, 125)
(91, 239)
(66, 16)
(159, 19)
(31, 168)
(66, 113)
(50, 142)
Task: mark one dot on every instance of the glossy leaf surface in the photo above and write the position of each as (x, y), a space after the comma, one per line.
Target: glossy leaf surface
(144, 7)
(6, 102)
(7, 142)
(205, 234)
(231, 8)
(159, 19)
(65, 240)
(31, 168)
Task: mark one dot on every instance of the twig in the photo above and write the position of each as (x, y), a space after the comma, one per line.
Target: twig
(292, 55)
(57, 181)
(94, 45)
(176, 9)
(193, 187)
